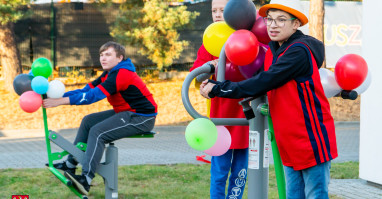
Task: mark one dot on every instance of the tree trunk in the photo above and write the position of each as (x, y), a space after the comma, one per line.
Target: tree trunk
(316, 20)
(9, 57)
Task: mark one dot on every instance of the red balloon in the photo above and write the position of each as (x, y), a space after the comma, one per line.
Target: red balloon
(232, 73)
(242, 47)
(350, 71)
(30, 101)
(260, 31)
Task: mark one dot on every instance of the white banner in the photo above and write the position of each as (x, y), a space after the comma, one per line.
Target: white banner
(342, 29)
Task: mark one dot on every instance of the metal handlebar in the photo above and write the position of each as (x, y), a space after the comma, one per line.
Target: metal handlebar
(190, 109)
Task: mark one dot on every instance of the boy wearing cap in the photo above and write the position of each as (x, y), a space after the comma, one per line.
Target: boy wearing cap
(303, 125)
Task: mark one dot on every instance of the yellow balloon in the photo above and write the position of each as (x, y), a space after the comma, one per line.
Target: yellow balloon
(215, 35)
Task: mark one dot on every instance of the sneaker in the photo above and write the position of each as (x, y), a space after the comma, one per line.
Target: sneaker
(62, 166)
(79, 182)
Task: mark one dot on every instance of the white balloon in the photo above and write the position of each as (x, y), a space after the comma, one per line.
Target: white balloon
(365, 84)
(56, 89)
(329, 83)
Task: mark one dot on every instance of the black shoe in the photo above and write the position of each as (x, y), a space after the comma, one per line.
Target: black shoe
(79, 182)
(62, 166)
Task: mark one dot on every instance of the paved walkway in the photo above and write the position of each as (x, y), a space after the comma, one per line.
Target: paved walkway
(27, 149)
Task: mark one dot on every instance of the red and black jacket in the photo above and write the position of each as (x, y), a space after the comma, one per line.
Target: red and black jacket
(304, 127)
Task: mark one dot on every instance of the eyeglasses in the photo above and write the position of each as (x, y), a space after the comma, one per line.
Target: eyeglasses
(280, 22)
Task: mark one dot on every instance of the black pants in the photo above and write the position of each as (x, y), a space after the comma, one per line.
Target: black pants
(98, 129)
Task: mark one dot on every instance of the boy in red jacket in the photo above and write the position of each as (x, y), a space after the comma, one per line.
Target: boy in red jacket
(134, 111)
(303, 125)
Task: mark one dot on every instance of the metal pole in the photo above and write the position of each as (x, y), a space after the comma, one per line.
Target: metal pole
(111, 180)
(258, 157)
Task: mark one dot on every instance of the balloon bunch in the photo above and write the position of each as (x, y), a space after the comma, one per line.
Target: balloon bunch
(241, 32)
(351, 73)
(202, 134)
(31, 86)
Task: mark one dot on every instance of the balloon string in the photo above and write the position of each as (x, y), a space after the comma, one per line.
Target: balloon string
(201, 159)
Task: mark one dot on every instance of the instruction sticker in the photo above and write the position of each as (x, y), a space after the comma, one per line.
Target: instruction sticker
(266, 149)
(253, 147)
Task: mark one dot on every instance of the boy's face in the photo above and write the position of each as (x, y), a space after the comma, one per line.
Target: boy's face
(109, 59)
(217, 9)
(282, 27)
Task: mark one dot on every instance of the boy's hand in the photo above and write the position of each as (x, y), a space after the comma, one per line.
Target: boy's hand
(206, 88)
(52, 102)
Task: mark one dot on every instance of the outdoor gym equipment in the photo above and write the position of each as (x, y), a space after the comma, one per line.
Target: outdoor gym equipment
(258, 160)
(108, 169)
(260, 131)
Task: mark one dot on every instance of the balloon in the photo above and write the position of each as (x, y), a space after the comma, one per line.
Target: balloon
(365, 85)
(260, 31)
(42, 67)
(242, 47)
(232, 73)
(222, 144)
(214, 37)
(56, 89)
(201, 134)
(30, 73)
(22, 83)
(248, 70)
(30, 101)
(240, 14)
(350, 71)
(329, 83)
(40, 85)
(264, 45)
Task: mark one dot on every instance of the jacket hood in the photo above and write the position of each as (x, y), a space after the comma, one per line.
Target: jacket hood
(125, 64)
(316, 46)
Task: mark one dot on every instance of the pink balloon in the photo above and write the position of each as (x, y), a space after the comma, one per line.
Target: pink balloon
(30, 101)
(232, 73)
(222, 144)
(259, 28)
(248, 70)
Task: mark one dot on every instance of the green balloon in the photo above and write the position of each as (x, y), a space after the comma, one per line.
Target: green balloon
(42, 67)
(201, 134)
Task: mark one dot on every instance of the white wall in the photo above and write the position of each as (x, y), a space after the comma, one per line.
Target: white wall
(371, 101)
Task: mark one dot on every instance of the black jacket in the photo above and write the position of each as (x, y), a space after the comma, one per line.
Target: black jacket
(292, 65)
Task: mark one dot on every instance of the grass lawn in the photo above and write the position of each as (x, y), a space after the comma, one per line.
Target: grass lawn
(140, 181)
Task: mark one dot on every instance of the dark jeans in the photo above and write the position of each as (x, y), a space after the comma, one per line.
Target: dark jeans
(100, 128)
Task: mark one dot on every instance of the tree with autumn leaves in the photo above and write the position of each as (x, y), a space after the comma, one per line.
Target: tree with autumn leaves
(153, 29)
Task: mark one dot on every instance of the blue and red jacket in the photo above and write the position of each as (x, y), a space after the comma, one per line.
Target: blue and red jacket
(303, 125)
(122, 87)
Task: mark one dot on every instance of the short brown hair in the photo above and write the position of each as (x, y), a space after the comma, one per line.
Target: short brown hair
(119, 49)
